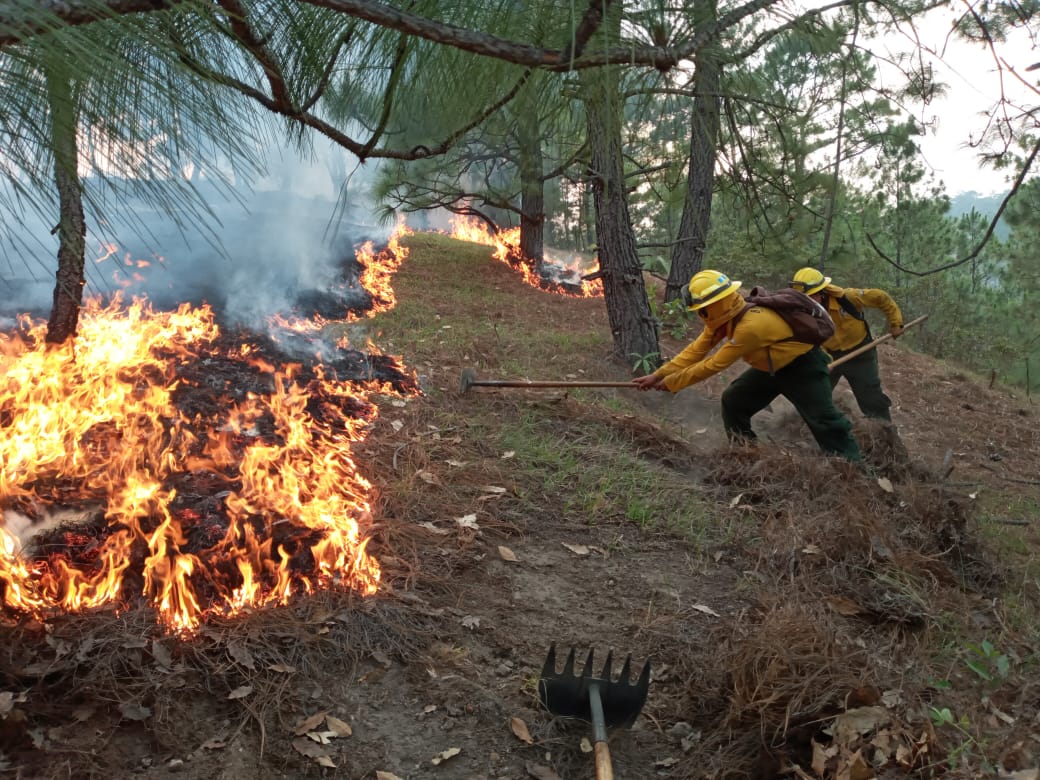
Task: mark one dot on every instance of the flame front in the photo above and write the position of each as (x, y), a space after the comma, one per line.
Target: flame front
(506, 244)
(96, 424)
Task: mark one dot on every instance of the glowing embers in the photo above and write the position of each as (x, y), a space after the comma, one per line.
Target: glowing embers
(556, 274)
(208, 475)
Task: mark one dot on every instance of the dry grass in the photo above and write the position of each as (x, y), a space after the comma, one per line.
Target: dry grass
(773, 589)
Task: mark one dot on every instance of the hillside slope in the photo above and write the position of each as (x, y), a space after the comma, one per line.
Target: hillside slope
(800, 618)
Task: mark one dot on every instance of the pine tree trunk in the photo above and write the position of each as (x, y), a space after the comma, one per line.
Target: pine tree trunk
(692, 239)
(632, 324)
(72, 227)
(532, 186)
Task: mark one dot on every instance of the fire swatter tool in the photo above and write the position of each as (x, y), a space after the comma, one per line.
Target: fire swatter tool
(601, 701)
(469, 379)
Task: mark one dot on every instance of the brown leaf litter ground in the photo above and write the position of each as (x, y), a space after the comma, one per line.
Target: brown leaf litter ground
(801, 619)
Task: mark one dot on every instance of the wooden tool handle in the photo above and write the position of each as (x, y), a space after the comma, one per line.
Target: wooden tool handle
(867, 347)
(604, 768)
(525, 383)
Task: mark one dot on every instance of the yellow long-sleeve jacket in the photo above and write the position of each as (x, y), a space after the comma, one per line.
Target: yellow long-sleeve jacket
(849, 332)
(759, 337)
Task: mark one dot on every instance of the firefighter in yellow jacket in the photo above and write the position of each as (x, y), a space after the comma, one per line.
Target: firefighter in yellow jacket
(846, 305)
(778, 365)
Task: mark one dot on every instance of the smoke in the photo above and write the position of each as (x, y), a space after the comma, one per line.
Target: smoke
(258, 252)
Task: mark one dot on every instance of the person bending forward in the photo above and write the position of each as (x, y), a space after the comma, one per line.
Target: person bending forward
(779, 365)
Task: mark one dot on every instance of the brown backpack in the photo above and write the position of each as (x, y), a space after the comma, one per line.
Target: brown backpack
(809, 321)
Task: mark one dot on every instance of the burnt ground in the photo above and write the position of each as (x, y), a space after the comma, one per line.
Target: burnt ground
(801, 619)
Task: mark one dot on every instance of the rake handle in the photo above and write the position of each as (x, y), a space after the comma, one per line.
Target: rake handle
(873, 344)
(523, 383)
(604, 766)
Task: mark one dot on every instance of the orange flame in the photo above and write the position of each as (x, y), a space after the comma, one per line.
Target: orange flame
(506, 244)
(95, 421)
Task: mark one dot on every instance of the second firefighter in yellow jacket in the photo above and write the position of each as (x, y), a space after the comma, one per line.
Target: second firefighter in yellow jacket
(846, 305)
(778, 365)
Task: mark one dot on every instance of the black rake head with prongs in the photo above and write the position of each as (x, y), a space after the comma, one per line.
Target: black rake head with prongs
(567, 695)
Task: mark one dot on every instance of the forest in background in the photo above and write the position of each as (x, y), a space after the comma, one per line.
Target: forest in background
(755, 138)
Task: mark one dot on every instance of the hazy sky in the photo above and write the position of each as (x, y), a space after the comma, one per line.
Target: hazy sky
(974, 84)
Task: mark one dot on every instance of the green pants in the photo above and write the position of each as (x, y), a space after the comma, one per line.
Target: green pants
(863, 377)
(805, 383)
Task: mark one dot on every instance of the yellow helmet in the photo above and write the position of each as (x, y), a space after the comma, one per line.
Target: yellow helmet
(706, 287)
(809, 281)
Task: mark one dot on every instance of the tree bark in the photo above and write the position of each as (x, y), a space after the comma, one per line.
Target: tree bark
(632, 325)
(692, 239)
(72, 226)
(532, 184)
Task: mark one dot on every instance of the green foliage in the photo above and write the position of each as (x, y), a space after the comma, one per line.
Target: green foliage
(675, 318)
(960, 752)
(645, 364)
(989, 664)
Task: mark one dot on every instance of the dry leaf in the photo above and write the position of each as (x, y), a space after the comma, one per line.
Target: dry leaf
(339, 727)
(735, 500)
(493, 489)
(161, 654)
(309, 724)
(324, 761)
(471, 622)
(468, 521)
(857, 768)
(283, 668)
(664, 763)
(585, 745)
(322, 737)
(7, 702)
(520, 729)
(891, 698)
(380, 775)
(885, 484)
(706, 610)
(241, 655)
(849, 726)
(212, 744)
(396, 425)
(445, 755)
(506, 554)
(428, 477)
(431, 527)
(240, 692)
(577, 549)
(306, 747)
(820, 755)
(508, 454)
